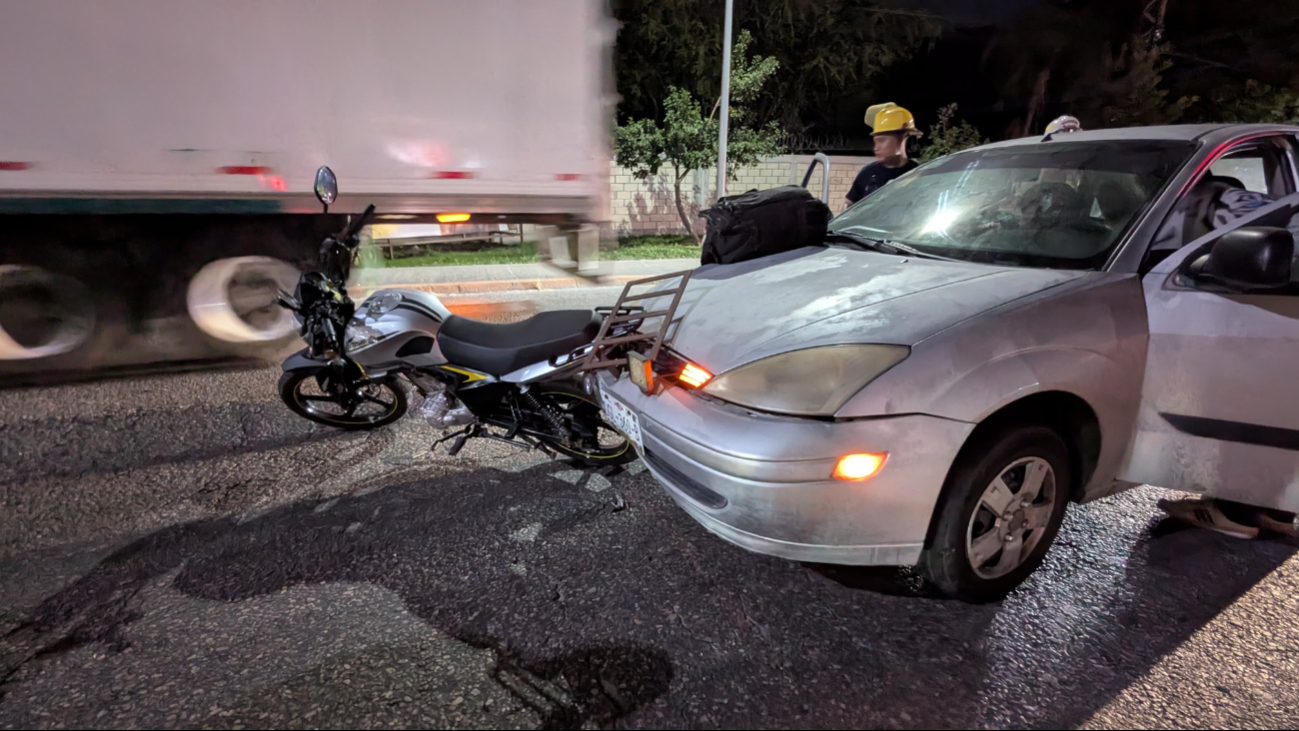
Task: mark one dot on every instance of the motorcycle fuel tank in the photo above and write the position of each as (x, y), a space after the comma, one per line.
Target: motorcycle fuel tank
(397, 325)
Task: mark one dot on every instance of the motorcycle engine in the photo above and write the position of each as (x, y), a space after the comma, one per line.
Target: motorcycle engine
(440, 409)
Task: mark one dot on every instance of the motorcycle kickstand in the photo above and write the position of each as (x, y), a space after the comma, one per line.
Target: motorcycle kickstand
(521, 440)
(512, 436)
(507, 440)
(460, 438)
(540, 446)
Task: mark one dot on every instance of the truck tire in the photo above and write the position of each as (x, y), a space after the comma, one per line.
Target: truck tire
(1002, 506)
(233, 299)
(52, 321)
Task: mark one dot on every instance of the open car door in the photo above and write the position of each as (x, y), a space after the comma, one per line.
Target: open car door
(1219, 413)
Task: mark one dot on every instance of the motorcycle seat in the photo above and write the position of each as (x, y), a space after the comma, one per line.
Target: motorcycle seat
(498, 349)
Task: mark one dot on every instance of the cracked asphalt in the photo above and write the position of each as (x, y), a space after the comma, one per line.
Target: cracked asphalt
(182, 551)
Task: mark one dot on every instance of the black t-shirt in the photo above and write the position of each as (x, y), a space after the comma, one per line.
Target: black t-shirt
(874, 176)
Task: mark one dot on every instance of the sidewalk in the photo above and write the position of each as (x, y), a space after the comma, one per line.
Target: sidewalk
(484, 278)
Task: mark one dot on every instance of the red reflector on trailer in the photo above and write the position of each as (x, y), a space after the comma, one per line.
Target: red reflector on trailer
(568, 177)
(452, 175)
(14, 166)
(243, 170)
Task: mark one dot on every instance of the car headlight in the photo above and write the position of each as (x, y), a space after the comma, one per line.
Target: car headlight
(360, 336)
(811, 382)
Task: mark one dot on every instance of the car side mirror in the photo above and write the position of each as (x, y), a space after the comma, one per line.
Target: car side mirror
(1249, 258)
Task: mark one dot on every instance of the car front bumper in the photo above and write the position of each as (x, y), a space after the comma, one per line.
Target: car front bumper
(764, 482)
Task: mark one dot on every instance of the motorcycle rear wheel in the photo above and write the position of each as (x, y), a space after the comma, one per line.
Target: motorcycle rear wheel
(383, 403)
(607, 446)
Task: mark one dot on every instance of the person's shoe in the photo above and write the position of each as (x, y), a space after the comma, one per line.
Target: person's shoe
(1205, 513)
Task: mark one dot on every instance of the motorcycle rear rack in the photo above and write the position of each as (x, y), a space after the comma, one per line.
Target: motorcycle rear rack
(597, 354)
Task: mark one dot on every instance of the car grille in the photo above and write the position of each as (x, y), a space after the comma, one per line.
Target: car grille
(685, 484)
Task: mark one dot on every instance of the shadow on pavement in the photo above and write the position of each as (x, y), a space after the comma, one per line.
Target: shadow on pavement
(70, 445)
(69, 377)
(398, 537)
(617, 604)
(890, 580)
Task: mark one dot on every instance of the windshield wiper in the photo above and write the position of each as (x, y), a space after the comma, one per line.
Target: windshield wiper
(886, 246)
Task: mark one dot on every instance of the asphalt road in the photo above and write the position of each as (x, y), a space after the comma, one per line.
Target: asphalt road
(181, 551)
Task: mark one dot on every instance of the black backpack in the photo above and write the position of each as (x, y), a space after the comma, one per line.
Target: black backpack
(763, 222)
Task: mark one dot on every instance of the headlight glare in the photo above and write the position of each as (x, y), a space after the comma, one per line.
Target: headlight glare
(360, 336)
(810, 382)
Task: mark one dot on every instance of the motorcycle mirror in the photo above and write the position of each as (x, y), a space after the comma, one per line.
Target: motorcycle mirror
(326, 186)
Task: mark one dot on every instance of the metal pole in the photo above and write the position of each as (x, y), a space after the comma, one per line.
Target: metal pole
(726, 104)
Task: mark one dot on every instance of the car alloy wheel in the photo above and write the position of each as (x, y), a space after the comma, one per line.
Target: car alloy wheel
(1011, 518)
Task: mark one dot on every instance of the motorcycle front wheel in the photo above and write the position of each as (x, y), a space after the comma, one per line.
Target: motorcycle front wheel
(378, 404)
(598, 443)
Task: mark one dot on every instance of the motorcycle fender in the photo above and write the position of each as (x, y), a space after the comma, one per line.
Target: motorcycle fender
(301, 361)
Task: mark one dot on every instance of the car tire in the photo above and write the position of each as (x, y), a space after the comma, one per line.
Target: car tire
(962, 558)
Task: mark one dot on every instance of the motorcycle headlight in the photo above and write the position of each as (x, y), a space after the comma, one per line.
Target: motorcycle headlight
(811, 382)
(360, 336)
(382, 302)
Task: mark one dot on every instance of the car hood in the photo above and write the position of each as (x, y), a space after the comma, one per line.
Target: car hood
(733, 314)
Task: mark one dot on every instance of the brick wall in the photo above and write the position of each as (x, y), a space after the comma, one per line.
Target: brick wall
(648, 207)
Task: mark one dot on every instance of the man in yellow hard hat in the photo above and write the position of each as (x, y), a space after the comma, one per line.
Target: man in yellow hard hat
(891, 125)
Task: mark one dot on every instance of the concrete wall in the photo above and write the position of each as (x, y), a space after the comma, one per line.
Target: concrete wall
(648, 207)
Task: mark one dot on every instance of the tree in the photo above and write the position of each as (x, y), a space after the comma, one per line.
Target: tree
(827, 50)
(1251, 103)
(831, 51)
(1050, 51)
(686, 141)
(1061, 58)
(1130, 91)
(946, 137)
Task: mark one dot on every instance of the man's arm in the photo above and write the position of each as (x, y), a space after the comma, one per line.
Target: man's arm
(858, 189)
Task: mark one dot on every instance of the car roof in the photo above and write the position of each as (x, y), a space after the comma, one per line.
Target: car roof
(1186, 132)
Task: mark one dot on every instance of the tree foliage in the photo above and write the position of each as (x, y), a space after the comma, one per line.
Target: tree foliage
(686, 139)
(948, 136)
(1251, 103)
(1130, 90)
(1060, 58)
(824, 50)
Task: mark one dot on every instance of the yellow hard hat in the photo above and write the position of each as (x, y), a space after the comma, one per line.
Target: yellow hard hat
(889, 117)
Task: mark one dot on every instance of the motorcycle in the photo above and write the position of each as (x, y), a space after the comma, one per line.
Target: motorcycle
(525, 383)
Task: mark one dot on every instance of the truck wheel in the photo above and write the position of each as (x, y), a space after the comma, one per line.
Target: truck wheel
(1003, 504)
(233, 299)
(42, 314)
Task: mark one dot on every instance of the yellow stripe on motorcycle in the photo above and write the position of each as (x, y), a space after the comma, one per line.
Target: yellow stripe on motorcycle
(467, 374)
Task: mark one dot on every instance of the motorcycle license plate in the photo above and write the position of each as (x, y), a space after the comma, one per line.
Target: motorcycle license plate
(621, 417)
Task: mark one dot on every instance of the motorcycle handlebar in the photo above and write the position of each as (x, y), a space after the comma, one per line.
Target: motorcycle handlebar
(288, 302)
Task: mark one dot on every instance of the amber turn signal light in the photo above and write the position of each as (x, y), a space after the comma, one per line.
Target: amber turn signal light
(858, 467)
(694, 376)
(453, 217)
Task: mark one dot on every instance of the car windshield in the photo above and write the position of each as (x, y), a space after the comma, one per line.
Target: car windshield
(1052, 205)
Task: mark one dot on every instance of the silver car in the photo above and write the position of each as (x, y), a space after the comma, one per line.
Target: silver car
(992, 336)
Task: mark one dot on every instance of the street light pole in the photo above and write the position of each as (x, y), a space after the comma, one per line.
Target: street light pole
(726, 104)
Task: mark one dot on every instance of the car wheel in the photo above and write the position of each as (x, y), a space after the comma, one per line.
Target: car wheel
(1003, 503)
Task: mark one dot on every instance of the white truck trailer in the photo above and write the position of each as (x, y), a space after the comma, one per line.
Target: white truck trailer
(158, 154)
